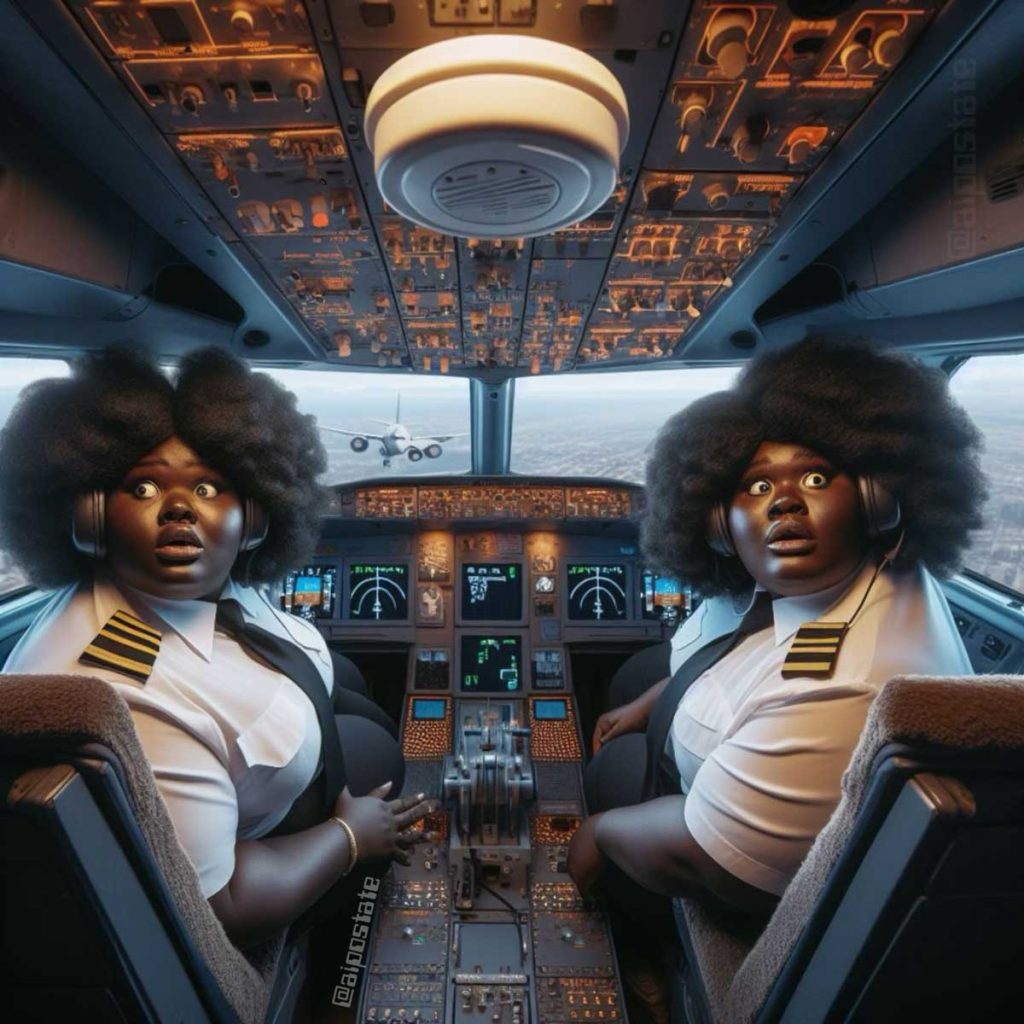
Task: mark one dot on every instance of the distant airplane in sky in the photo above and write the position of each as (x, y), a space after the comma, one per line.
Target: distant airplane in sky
(396, 440)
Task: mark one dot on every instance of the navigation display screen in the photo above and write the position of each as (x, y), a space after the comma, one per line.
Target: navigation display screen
(596, 593)
(492, 592)
(378, 592)
(427, 710)
(491, 664)
(310, 592)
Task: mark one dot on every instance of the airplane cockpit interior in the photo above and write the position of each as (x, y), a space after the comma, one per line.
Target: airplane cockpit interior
(492, 246)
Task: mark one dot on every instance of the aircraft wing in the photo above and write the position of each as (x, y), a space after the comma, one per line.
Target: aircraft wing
(439, 438)
(352, 433)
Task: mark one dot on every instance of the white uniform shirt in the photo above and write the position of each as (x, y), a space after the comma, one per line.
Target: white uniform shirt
(760, 757)
(232, 742)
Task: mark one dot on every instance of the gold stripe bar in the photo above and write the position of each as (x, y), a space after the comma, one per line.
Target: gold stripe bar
(128, 643)
(101, 655)
(810, 666)
(136, 632)
(131, 620)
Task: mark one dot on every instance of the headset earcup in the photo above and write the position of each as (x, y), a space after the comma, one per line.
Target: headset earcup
(89, 524)
(719, 538)
(255, 525)
(880, 507)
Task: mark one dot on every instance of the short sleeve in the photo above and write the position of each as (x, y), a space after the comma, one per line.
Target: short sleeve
(199, 795)
(759, 800)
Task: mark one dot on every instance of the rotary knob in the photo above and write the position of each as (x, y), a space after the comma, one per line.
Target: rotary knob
(727, 41)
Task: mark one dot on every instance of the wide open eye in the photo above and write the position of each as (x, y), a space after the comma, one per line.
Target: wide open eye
(145, 489)
(759, 488)
(207, 489)
(815, 480)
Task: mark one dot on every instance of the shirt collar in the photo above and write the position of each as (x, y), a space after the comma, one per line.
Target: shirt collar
(194, 621)
(834, 604)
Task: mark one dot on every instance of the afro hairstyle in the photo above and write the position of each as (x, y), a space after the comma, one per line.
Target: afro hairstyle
(69, 436)
(870, 413)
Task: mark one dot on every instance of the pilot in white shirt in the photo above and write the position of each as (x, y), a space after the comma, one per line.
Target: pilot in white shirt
(760, 757)
(232, 742)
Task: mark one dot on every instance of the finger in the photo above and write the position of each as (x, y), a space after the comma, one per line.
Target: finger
(411, 816)
(380, 792)
(411, 838)
(403, 803)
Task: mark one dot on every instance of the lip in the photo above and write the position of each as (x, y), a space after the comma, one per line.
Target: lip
(790, 536)
(178, 545)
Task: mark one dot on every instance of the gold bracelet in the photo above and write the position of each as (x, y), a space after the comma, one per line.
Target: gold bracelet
(353, 846)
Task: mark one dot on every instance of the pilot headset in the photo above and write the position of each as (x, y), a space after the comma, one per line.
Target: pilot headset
(879, 508)
(89, 524)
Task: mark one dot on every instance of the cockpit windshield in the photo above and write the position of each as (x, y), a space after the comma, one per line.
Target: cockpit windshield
(601, 424)
(375, 425)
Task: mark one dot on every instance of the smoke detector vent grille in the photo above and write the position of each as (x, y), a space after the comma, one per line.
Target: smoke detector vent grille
(499, 194)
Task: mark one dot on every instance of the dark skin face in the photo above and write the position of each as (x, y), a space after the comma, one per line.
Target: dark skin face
(174, 525)
(795, 520)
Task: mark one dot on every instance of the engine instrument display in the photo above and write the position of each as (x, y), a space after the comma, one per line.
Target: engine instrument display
(378, 592)
(491, 664)
(596, 593)
(492, 592)
(664, 598)
(309, 592)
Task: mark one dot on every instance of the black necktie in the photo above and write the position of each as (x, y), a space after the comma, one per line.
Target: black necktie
(757, 617)
(292, 661)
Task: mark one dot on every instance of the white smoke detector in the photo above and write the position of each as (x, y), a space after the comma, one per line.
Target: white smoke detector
(496, 136)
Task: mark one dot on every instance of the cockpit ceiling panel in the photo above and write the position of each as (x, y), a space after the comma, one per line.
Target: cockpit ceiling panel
(732, 105)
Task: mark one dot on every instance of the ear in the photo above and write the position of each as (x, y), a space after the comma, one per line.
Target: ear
(255, 525)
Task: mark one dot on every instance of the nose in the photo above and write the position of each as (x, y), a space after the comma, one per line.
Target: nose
(177, 510)
(786, 503)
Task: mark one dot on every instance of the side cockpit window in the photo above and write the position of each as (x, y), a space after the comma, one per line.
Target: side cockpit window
(16, 374)
(991, 390)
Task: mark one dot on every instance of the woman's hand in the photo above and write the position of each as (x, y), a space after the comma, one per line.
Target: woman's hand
(380, 825)
(631, 717)
(585, 859)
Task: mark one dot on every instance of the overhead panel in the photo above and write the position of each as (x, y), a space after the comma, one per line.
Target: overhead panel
(732, 108)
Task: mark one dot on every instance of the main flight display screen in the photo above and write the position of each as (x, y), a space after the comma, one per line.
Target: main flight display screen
(378, 592)
(309, 593)
(492, 592)
(491, 664)
(596, 593)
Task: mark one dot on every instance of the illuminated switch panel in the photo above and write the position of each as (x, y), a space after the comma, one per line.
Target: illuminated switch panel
(386, 503)
(188, 94)
(756, 87)
(591, 238)
(628, 344)
(558, 303)
(434, 345)
(598, 503)
(172, 27)
(553, 739)
(425, 257)
(279, 182)
(427, 739)
(556, 897)
(552, 830)
(567, 1000)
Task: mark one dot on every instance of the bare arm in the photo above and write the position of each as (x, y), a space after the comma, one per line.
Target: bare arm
(631, 717)
(275, 880)
(651, 843)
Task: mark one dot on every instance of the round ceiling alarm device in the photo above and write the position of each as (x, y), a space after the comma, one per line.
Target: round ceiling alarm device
(499, 136)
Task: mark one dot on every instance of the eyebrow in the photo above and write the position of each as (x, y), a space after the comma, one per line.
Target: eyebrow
(800, 453)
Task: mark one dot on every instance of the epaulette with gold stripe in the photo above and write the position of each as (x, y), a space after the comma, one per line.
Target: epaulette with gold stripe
(125, 644)
(814, 650)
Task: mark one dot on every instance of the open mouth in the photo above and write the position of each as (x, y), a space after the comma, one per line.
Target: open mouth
(178, 546)
(790, 537)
